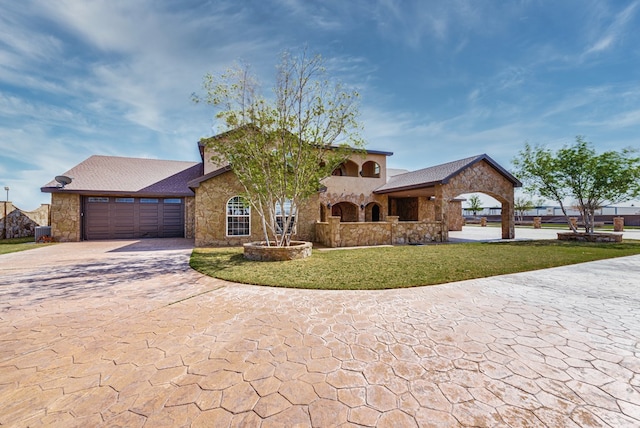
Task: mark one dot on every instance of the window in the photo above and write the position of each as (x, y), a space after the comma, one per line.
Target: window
(238, 217)
(173, 201)
(148, 200)
(97, 199)
(125, 200)
(370, 169)
(282, 211)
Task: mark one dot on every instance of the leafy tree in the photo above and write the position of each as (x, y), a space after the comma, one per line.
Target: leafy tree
(475, 204)
(522, 205)
(578, 173)
(280, 148)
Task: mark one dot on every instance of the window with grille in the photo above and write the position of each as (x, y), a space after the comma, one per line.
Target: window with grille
(282, 211)
(238, 217)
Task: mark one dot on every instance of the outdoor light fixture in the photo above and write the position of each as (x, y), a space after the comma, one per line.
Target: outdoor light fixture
(6, 188)
(329, 205)
(361, 206)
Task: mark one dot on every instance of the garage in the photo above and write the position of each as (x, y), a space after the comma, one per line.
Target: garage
(109, 217)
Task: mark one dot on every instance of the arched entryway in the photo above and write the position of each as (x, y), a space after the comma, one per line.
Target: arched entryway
(347, 211)
(490, 210)
(373, 212)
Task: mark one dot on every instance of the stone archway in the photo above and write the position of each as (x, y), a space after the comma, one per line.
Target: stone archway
(480, 177)
(373, 212)
(347, 212)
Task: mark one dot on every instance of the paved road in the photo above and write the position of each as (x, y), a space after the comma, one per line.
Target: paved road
(123, 333)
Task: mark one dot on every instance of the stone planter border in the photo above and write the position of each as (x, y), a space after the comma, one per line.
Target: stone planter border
(258, 251)
(589, 237)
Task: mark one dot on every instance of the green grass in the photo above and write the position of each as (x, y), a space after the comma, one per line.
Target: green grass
(405, 266)
(13, 245)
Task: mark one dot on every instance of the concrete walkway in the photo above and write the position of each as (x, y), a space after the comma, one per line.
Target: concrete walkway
(123, 333)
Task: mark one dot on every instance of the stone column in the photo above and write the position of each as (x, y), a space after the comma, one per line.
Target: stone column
(334, 231)
(508, 219)
(441, 207)
(537, 222)
(618, 224)
(393, 223)
(483, 221)
(574, 221)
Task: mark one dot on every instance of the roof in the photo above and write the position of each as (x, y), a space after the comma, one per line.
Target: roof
(196, 181)
(121, 175)
(203, 142)
(439, 174)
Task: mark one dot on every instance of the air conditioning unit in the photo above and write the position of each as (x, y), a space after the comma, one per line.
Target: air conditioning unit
(42, 231)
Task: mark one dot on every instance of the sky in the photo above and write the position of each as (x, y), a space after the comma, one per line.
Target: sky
(439, 80)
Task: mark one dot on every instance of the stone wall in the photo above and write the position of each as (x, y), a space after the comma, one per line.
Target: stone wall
(189, 217)
(19, 223)
(65, 217)
(364, 234)
(210, 215)
(417, 232)
(333, 233)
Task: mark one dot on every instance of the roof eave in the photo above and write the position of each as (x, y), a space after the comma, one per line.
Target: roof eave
(405, 188)
(196, 182)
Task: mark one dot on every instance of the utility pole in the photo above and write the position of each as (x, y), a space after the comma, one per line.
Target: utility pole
(4, 219)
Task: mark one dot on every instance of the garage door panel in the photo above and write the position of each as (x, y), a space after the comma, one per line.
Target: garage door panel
(131, 218)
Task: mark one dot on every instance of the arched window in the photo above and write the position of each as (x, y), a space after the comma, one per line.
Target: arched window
(238, 217)
(370, 169)
(347, 168)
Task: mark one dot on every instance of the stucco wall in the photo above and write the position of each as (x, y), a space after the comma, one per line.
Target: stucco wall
(65, 217)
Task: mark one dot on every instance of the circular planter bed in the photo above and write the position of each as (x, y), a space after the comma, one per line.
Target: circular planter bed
(258, 251)
(589, 237)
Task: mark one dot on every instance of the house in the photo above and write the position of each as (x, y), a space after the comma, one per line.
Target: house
(361, 203)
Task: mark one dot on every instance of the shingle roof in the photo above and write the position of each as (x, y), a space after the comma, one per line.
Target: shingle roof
(439, 174)
(112, 174)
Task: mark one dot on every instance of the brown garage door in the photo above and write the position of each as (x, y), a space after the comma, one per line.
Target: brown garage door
(131, 218)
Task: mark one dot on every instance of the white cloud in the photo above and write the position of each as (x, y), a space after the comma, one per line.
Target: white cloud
(614, 32)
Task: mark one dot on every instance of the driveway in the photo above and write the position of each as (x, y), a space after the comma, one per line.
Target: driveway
(123, 333)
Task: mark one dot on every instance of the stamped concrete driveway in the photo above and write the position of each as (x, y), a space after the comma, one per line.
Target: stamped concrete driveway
(125, 334)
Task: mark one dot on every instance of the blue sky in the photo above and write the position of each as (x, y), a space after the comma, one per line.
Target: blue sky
(439, 80)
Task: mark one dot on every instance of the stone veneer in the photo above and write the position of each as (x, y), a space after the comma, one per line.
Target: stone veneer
(333, 233)
(189, 217)
(435, 215)
(482, 178)
(65, 217)
(589, 237)
(261, 253)
(210, 214)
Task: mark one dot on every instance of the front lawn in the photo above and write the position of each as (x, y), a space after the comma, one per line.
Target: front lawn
(12, 245)
(404, 266)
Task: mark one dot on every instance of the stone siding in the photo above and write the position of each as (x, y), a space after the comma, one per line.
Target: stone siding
(19, 223)
(65, 217)
(456, 220)
(482, 178)
(189, 217)
(210, 215)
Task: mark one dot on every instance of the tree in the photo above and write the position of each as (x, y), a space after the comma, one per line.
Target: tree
(577, 172)
(280, 148)
(475, 204)
(522, 205)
